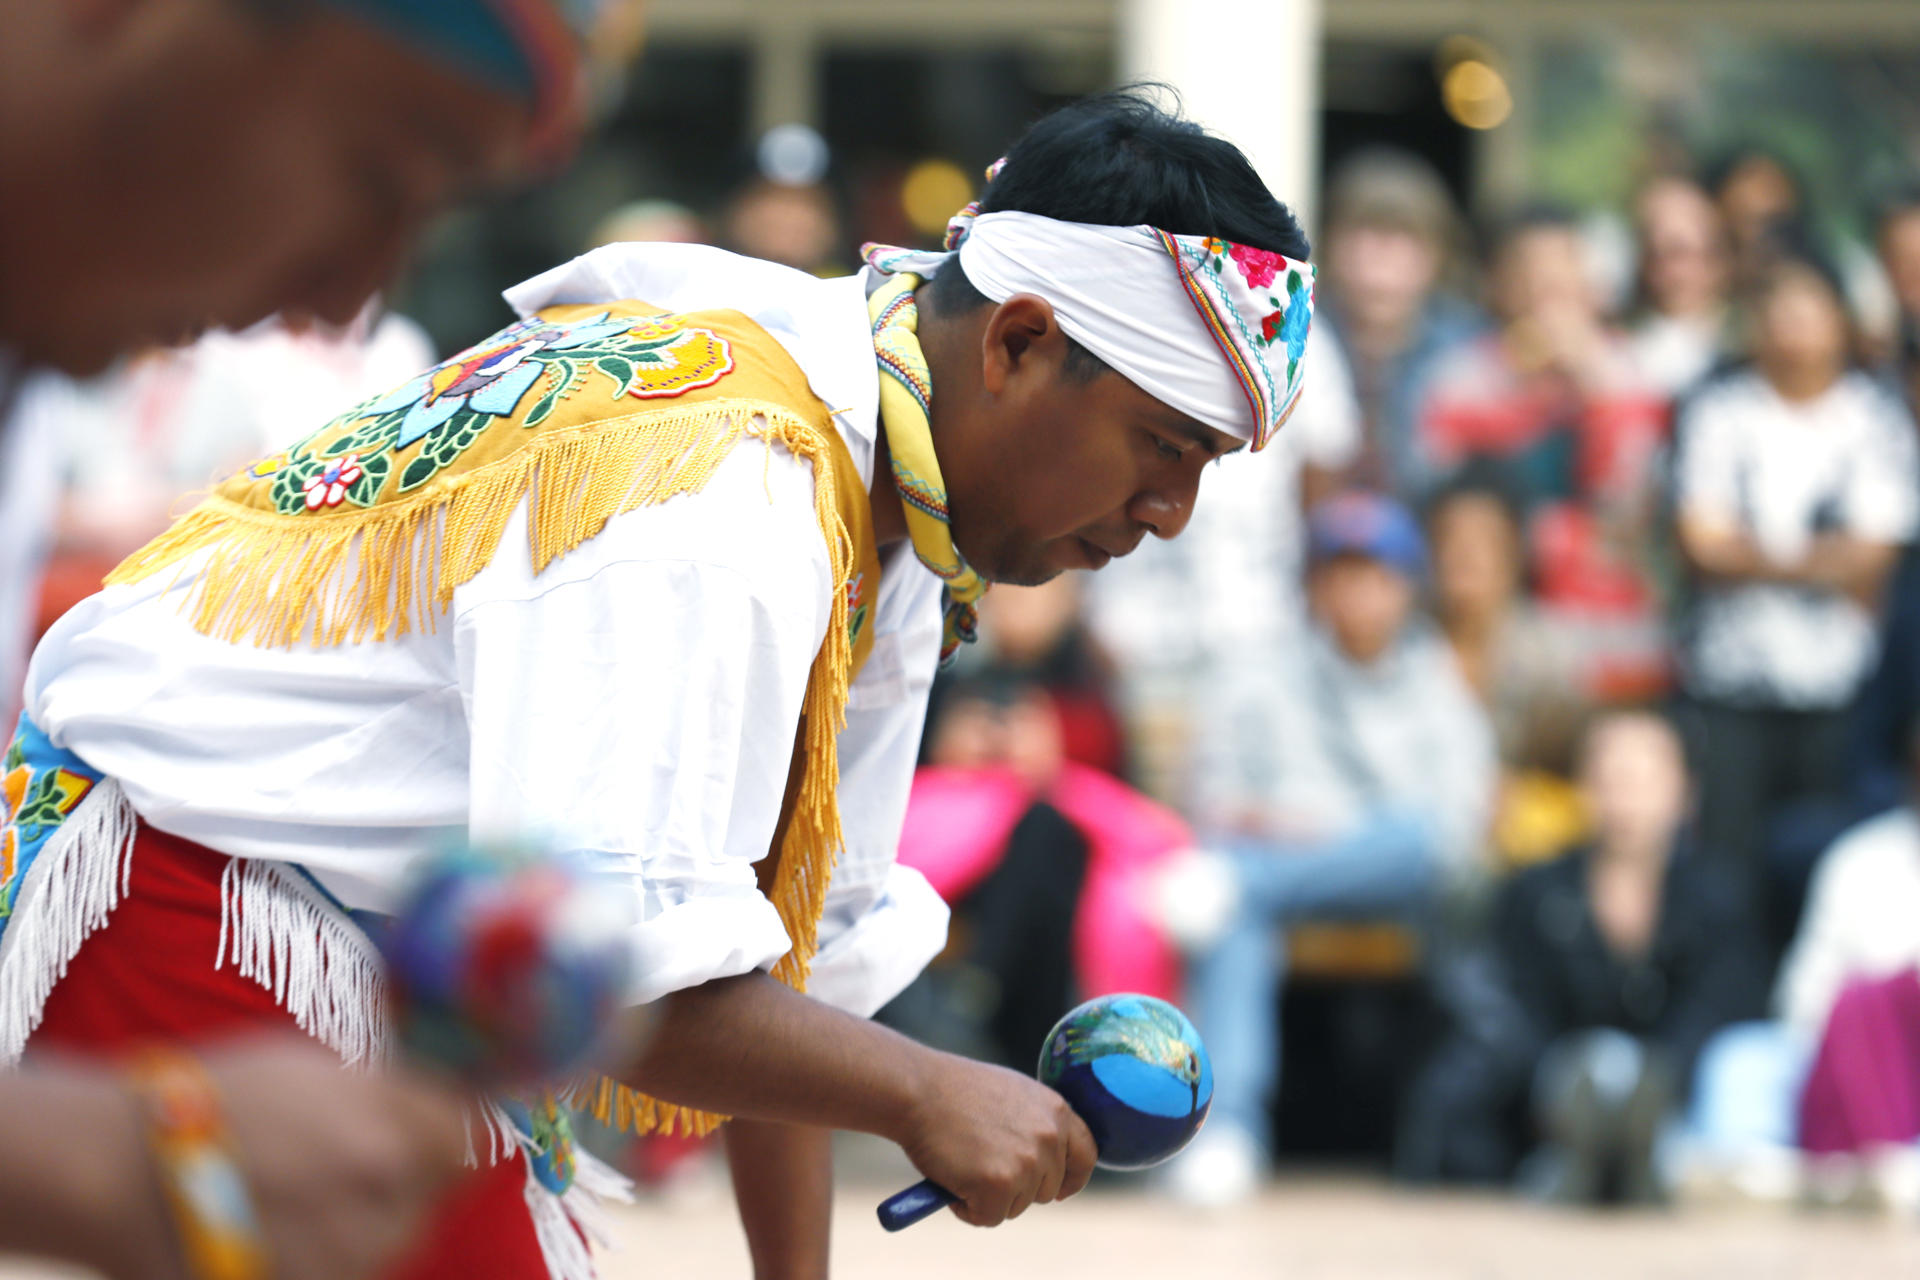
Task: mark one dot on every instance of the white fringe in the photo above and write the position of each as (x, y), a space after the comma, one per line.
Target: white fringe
(286, 935)
(72, 887)
(502, 1137)
(283, 933)
(568, 1226)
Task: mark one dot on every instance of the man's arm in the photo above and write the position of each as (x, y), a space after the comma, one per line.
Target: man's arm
(749, 1047)
(338, 1183)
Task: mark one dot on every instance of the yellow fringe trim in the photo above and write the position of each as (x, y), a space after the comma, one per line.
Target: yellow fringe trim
(345, 577)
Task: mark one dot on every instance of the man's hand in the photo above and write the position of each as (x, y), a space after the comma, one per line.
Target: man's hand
(998, 1140)
(343, 1165)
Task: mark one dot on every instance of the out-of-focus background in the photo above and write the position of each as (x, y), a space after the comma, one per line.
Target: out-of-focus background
(1512, 769)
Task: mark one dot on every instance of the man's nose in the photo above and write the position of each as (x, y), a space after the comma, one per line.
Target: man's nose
(1164, 513)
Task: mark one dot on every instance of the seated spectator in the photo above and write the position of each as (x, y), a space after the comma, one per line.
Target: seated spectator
(1524, 665)
(1350, 778)
(1680, 331)
(1795, 485)
(1392, 242)
(1037, 635)
(1888, 707)
(1762, 198)
(1857, 936)
(1771, 213)
(1897, 235)
(1044, 862)
(1557, 397)
(1606, 972)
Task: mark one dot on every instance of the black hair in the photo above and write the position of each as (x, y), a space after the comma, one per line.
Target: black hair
(1481, 477)
(1535, 215)
(1899, 202)
(1794, 248)
(1730, 162)
(1119, 159)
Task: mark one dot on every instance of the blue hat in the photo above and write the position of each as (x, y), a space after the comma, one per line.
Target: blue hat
(1365, 524)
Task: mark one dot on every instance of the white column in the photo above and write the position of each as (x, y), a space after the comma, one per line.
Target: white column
(1248, 70)
(785, 85)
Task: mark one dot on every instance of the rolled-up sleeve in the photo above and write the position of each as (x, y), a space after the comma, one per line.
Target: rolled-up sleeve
(637, 703)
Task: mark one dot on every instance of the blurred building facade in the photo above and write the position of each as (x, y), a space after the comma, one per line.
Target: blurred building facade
(1508, 99)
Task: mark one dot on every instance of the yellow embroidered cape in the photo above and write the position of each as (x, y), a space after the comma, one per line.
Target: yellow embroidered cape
(364, 529)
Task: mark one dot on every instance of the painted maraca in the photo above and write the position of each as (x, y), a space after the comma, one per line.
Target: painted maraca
(504, 968)
(1134, 1070)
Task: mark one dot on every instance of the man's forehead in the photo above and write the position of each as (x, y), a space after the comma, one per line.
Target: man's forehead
(1214, 441)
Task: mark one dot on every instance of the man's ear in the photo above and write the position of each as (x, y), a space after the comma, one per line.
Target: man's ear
(1021, 330)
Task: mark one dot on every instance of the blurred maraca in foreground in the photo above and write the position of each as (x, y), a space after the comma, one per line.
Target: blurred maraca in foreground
(505, 969)
(1134, 1070)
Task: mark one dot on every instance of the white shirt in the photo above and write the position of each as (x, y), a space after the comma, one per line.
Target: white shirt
(1782, 473)
(1674, 352)
(1859, 921)
(638, 698)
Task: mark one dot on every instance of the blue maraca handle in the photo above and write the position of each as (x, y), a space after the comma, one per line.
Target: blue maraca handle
(918, 1202)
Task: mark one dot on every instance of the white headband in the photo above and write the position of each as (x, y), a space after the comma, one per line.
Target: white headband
(1213, 329)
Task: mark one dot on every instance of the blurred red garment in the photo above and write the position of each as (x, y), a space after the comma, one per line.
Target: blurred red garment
(957, 826)
(1583, 456)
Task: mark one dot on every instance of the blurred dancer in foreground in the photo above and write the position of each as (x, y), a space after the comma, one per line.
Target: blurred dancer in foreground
(278, 157)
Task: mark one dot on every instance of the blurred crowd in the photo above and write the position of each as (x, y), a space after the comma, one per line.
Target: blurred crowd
(1557, 669)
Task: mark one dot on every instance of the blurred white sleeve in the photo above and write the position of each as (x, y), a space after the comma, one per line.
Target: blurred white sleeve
(1706, 476)
(639, 700)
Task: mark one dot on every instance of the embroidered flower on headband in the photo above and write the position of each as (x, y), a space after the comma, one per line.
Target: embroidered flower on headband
(1258, 305)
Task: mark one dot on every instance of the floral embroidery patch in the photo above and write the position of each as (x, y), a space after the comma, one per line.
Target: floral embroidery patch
(410, 435)
(40, 786)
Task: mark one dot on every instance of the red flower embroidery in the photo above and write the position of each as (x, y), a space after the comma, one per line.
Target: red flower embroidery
(1259, 266)
(1271, 325)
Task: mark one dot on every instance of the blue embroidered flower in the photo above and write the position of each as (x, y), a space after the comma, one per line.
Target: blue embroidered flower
(1293, 330)
(490, 378)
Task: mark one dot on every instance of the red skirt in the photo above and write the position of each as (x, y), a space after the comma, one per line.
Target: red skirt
(149, 974)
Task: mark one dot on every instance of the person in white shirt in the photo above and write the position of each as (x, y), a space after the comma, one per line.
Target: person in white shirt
(1795, 486)
(1685, 271)
(612, 580)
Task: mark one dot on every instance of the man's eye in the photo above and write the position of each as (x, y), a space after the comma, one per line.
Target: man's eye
(1168, 450)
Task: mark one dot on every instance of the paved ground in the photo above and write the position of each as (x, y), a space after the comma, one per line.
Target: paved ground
(1316, 1228)
(1338, 1229)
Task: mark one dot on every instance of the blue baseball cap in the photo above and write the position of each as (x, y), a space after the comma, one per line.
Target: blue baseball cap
(1366, 524)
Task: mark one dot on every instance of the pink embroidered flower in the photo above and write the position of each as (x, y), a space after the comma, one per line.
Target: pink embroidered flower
(329, 488)
(1259, 266)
